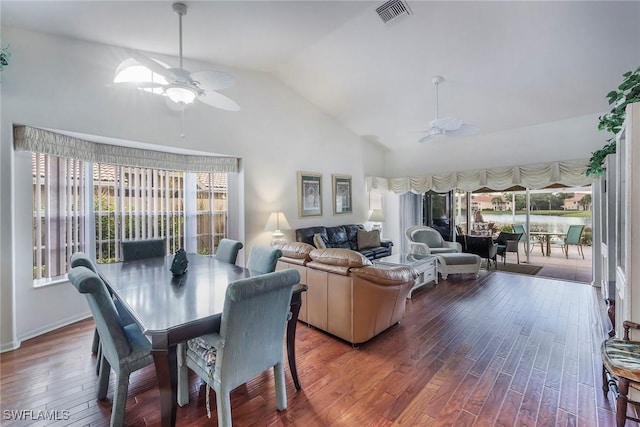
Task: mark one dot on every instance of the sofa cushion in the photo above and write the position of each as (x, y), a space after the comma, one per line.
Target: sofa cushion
(368, 239)
(296, 250)
(395, 275)
(319, 241)
(339, 257)
(431, 238)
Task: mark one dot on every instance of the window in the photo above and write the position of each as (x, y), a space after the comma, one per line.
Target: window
(78, 205)
(58, 213)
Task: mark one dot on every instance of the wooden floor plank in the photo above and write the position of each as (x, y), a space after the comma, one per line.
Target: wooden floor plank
(502, 350)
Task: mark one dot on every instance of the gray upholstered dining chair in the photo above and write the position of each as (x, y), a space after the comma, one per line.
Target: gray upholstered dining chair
(81, 259)
(249, 341)
(228, 250)
(140, 249)
(124, 348)
(263, 259)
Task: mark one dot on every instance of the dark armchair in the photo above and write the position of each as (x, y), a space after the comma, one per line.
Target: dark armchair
(508, 242)
(483, 246)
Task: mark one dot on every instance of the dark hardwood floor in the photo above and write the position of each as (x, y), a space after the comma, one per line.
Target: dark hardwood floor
(504, 350)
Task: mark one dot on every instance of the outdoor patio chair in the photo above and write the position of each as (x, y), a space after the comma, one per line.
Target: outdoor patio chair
(574, 237)
(508, 242)
(519, 228)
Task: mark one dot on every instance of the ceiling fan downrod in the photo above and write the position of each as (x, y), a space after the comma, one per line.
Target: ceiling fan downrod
(436, 80)
(181, 10)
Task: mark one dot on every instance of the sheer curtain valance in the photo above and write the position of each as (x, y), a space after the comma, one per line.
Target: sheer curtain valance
(28, 138)
(569, 173)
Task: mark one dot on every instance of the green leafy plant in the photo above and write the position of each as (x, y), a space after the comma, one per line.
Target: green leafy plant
(4, 57)
(628, 92)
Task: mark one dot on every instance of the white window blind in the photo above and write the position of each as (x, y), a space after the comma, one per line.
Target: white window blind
(80, 206)
(58, 213)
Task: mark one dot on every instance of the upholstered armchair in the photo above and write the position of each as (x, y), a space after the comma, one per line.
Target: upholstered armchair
(428, 241)
(124, 348)
(249, 341)
(508, 242)
(228, 250)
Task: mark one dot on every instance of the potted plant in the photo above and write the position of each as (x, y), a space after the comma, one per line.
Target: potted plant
(628, 92)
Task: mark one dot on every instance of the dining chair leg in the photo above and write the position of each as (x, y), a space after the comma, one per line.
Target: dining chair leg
(96, 342)
(103, 379)
(120, 399)
(183, 375)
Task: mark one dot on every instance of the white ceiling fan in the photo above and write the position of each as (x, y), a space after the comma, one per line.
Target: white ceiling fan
(447, 126)
(180, 86)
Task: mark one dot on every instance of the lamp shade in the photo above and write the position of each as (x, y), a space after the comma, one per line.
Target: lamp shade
(377, 216)
(276, 222)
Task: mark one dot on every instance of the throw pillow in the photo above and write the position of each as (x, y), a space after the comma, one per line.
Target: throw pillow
(318, 241)
(368, 239)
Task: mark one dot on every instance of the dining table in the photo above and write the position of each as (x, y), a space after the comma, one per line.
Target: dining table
(545, 238)
(173, 309)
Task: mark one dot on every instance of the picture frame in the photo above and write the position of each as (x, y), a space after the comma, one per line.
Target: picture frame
(342, 200)
(309, 194)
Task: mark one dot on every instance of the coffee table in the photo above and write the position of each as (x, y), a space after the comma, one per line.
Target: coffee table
(426, 265)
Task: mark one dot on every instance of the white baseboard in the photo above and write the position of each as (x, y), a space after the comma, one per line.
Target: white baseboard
(43, 330)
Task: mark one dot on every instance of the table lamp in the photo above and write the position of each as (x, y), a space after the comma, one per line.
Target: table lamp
(377, 217)
(277, 222)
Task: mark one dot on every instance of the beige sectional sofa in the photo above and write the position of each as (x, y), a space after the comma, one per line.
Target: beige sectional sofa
(348, 297)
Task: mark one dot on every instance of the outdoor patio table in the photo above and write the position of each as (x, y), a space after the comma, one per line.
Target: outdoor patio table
(545, 237)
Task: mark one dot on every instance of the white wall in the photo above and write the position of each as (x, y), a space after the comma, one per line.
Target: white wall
(570, 139)
(60, 83)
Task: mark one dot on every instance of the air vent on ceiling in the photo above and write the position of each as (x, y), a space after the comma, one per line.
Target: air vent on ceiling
(392, 10)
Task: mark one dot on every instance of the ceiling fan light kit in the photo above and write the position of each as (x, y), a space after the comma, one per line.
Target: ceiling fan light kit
(446, 126)
(177, 84)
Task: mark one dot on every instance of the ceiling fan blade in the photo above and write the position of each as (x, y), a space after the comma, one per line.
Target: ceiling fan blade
(463, 130)
(432, 133)
(212, 80)
(153, 65)
(426, 138)
(447, 123)
(218, 100)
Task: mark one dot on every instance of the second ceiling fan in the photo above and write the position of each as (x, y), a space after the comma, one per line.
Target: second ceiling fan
(446, 126)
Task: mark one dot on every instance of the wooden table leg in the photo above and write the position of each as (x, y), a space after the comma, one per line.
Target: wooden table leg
(296, 302)
(165, 361)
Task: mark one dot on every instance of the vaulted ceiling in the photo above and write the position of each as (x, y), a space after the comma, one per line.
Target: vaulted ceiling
(506, 65)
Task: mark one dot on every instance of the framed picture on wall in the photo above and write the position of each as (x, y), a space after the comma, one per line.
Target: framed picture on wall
(309, 194)
(341, 194)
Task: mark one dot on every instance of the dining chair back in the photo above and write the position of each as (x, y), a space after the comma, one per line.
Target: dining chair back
(228, 250)
(248, 343)
(140, 249)
(124, 348)
(263, 259)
